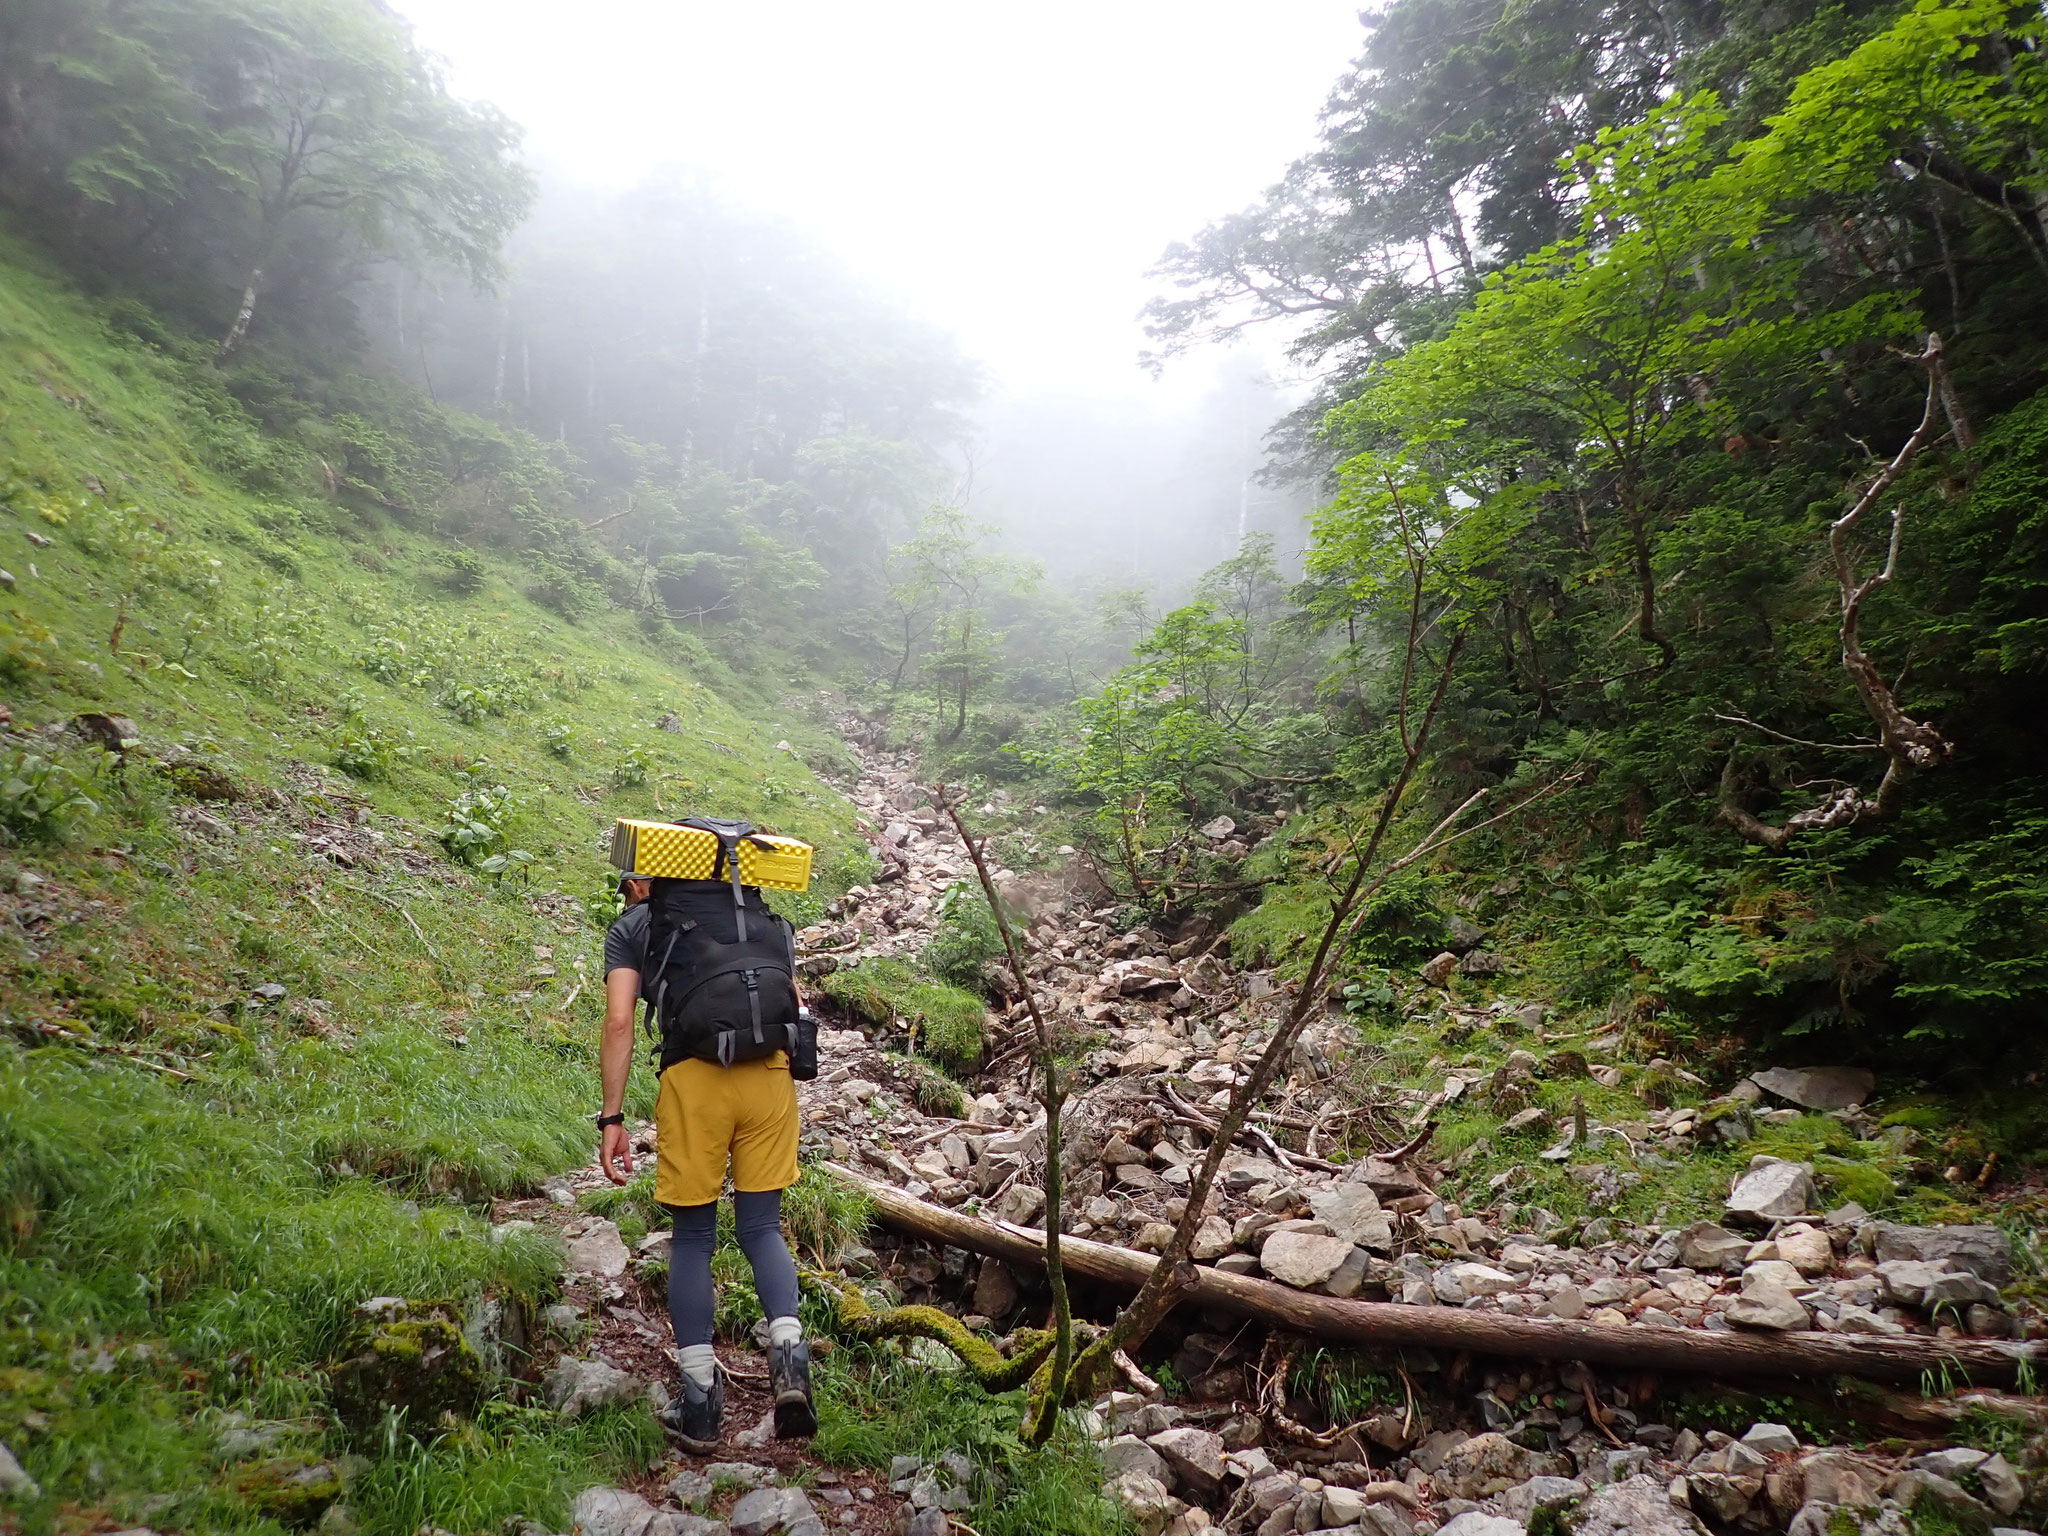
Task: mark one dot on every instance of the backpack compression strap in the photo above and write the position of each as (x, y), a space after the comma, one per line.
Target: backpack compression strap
(730, 834)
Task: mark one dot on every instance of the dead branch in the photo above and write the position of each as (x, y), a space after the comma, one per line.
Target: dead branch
(1910, 746)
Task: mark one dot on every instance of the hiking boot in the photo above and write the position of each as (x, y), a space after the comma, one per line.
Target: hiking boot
(789, 1379)
(692, 1418)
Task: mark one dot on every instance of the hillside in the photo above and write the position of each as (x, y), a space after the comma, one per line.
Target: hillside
(270, 1047)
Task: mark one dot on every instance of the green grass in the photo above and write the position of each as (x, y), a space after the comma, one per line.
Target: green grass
(946, 1021)
(874, 1402)
(198, 1187)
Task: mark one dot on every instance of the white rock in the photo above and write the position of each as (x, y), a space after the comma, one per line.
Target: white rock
(1144, 1501)
(15, 1483)
(1479, 1279)
(1774, 1192)
(574, 1387)
(1195, 1455)
(1477, 1522)
(768, 1511)
(1771, 1439)
(599, 1251)
(1303, 1260)
(614, 1512)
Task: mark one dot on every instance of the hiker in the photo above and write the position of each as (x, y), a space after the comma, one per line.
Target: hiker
(708, 1113)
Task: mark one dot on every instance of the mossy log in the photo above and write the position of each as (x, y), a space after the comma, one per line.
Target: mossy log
(991, 1369)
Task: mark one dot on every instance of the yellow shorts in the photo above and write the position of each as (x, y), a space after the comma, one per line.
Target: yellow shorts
(707, 1113)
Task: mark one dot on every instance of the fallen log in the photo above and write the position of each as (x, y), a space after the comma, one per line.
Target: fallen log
(1974, 1362)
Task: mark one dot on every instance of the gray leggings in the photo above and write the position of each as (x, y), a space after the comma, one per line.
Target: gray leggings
(691, 1300)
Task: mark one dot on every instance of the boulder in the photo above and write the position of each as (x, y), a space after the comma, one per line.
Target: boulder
(775, 1512)
(1127, 1453)
(417, 1360)
(615, 1512)
(1468, 1280)
(599, 1250)
(1776, 1191)
(1641, 1506)
(1352, 1211)
(1707, 1246)
(1834, 1477)
(1484, 1465)
(1303, 1260)
(1817, 1087)
(1439, 970)
(575, 1387)
(1765, 1304)
(1144, 1500)
(1982, 1250)
(1523, 1502)
(1194, 1455)
(1477, 1522)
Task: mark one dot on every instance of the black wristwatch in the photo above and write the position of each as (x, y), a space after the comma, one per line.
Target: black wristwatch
(605, 1120)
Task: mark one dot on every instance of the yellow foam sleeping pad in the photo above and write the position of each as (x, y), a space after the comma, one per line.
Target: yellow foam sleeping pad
(663, 851)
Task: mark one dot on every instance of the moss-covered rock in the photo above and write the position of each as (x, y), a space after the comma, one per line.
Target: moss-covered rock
(413, 1361)
(292, 1490)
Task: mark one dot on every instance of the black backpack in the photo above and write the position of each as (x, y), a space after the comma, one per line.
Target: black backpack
(720, 975)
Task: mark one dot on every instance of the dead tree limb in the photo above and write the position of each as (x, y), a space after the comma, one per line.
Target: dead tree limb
(1910, 746)
(1381, 1323)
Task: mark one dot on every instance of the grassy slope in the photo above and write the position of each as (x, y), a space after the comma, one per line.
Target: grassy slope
(173, 1247)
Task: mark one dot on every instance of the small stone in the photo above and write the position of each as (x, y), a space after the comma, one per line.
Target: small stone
(1567, 1302)
(1642, 1506)
(1342, 1506)
(1809, 1252)
(1212, 1240)
(2003, 1490)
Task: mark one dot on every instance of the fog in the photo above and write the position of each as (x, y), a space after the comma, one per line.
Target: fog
(1007, 176)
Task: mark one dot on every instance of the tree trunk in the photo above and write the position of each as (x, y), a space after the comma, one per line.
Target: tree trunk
(1388, 1324)
(243, 316)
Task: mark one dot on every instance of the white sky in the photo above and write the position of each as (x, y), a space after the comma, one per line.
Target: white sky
(1009, 171)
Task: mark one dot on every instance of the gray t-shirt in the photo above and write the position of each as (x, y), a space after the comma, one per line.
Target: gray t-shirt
(625, 942)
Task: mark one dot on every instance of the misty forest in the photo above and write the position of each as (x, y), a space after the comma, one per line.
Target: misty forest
(1447, 936)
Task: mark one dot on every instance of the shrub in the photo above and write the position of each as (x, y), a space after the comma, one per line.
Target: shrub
(475, 829)
(633, 768)
(558, 740)
(461, 572)
(365, 752)
(965, 940)
(39, 797)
